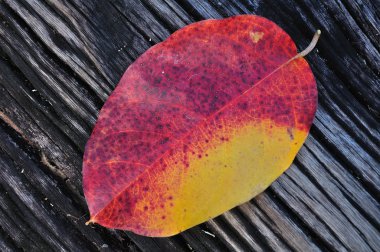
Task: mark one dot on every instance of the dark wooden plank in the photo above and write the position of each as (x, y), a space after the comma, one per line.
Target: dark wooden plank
(61, 59)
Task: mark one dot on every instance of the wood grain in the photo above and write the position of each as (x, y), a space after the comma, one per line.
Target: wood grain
(60, 60)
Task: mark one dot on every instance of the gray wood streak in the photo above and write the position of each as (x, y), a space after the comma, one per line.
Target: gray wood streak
(60, 60)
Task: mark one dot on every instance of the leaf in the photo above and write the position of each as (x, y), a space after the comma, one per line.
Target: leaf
(199, 124)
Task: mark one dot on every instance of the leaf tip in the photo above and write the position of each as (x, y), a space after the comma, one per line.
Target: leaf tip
(90, 221)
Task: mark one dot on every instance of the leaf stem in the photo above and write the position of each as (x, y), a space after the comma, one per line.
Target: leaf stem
(310, 47)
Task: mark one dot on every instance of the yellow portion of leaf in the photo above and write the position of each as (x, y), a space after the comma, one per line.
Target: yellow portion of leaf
(234, 172)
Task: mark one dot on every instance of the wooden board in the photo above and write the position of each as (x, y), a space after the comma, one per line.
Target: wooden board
(60, 60)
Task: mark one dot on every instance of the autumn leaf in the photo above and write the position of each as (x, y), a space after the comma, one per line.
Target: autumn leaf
(199, 124)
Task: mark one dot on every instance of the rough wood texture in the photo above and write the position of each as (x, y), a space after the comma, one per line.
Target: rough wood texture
(59, 61)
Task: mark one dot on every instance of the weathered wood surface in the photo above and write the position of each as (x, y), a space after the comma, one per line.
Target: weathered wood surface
(59, 61)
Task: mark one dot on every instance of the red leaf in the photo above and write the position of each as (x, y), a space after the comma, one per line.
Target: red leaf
(198, 124)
